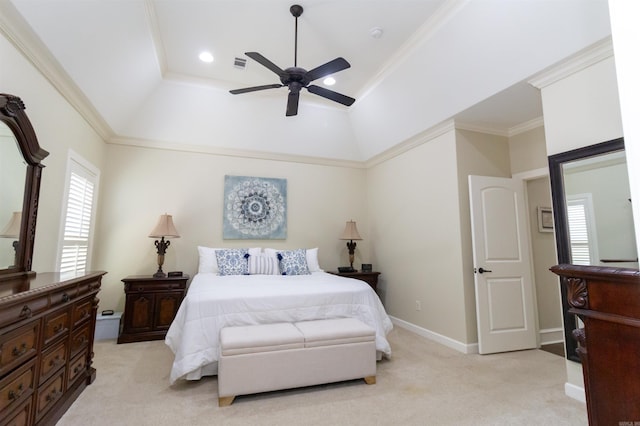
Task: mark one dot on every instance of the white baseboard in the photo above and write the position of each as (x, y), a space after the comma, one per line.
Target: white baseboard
(551, 335)
(575, 392)
(439, 338)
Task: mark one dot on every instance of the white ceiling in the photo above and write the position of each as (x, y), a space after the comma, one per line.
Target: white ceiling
(135, 62)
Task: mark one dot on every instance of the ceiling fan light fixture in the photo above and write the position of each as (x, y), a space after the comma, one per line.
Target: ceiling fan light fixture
(329, 81)
(206, 57)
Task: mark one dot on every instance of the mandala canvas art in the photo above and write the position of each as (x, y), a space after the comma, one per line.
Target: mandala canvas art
(255, 208)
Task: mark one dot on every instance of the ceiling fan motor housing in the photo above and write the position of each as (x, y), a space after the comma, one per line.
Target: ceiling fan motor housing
(295, 75)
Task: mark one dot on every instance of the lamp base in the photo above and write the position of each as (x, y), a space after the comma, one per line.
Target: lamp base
(159, 274)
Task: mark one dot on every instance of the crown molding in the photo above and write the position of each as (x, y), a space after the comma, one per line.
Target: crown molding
(526, 126)
(593, 54)
(411, 143)
(238, 153)
(20, 34)
(461, 125)
(436, 21)
(156, 36)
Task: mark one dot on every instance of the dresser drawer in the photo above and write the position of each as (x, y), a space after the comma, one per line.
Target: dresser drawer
(81, 312)
(52, 360)
(18, 346)
(77, 368)
(80, 339)
(48, 394)
(20, 417)
(16, 387)
(56, 325)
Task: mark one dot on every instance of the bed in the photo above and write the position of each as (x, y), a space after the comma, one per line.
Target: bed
(214, 301)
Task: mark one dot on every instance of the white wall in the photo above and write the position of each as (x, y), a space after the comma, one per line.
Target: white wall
(421, 230)
(415, 229)
(139, 184)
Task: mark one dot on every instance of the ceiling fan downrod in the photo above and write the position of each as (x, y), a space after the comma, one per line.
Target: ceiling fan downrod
(296, 10)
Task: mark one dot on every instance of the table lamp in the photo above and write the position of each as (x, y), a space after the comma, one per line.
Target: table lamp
(351, 233)
(164, 228)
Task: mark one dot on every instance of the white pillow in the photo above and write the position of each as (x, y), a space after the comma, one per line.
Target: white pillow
(208, 262)
(312, 258)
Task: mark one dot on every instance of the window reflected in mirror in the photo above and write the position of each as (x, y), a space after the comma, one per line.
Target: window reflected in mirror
(599, 214)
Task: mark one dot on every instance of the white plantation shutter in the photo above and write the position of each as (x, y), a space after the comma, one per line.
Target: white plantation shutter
(581, 230)
(78, 219)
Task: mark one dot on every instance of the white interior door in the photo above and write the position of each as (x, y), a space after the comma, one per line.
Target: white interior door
(504, 292)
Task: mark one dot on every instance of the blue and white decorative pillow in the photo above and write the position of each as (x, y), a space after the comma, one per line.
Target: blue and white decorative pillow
(233, 261)
(293, 262)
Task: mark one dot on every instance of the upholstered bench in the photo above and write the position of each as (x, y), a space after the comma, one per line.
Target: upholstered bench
(269, 357)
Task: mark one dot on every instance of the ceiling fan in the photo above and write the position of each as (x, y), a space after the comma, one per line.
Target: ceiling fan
(296, 78)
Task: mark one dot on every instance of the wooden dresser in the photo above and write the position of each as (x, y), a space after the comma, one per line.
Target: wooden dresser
(47, 325)
(607, 300)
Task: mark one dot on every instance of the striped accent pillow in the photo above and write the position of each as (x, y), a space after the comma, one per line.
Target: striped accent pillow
(263, 265)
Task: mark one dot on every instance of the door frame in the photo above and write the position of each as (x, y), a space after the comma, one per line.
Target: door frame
(527, 176)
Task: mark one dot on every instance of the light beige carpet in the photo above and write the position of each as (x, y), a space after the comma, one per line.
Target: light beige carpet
(423, 384)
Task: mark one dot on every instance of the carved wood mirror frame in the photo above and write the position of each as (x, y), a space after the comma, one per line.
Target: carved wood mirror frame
(562, 229)
(13, 115)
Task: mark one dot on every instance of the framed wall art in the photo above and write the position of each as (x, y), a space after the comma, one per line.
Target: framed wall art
(545, 219)
(255, 208)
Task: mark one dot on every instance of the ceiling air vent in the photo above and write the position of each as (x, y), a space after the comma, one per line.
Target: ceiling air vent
(240, 63)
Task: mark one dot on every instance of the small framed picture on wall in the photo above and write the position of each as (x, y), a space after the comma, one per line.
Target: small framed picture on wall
(545, 219)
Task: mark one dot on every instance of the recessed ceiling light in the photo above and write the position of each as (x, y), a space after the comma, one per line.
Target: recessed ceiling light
(206, 57)
(329, 81)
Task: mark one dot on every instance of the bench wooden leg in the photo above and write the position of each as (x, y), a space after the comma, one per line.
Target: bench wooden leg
(370, 380)
(226, 401)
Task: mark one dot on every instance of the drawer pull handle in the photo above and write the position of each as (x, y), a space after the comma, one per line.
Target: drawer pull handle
(65, 297)
(58, 328)
(25, 312)
(53, 395)
(56, 361)
(19, 352)
(78, 368)
(15, 395)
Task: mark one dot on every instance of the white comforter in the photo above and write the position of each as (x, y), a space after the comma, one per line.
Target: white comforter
(213, 302)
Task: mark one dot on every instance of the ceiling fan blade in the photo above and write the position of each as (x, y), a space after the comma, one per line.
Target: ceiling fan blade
(255, 88)
(292, 103)
(330, 94)
(265, 62)
(330, 67)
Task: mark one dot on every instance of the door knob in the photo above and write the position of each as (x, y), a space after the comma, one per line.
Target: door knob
(482, 270)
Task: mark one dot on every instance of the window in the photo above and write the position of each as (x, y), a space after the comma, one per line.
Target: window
(582, 236)
(79, 207)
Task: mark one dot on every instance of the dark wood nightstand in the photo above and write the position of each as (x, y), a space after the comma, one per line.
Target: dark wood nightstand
(370, 278)
(150, 306)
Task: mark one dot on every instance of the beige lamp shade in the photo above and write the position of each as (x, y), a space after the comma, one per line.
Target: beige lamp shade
(12, 230)
(350, 232)
(165, 228)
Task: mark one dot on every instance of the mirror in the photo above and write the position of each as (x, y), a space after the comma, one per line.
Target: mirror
(12, 176)
(592, 214)
(20, 174)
